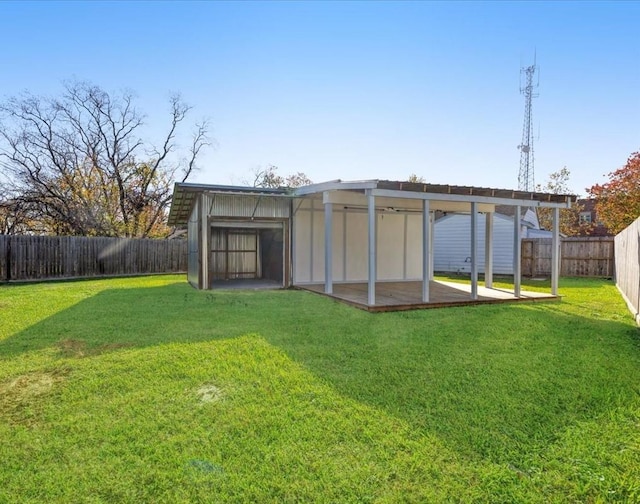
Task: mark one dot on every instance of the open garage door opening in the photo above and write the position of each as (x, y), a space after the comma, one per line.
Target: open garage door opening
(251, 255)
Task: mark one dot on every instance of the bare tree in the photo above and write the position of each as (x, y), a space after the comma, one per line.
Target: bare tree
(14, 216)
(268, 177)
(416, 179)
(570, 223)
(79, 165)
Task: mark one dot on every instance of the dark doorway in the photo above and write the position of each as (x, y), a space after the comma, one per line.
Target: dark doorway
(247, 254)
(271, 251)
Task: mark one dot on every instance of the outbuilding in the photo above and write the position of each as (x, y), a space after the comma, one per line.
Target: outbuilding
(366, 242)
(236, 235)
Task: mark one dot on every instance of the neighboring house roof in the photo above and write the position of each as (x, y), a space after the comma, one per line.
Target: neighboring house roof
(530, 219)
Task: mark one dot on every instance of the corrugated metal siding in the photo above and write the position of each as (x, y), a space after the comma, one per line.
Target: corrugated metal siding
(245, 205)
(193, 263)
(452, 248)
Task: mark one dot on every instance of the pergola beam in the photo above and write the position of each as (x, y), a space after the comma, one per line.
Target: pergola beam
(389, 193)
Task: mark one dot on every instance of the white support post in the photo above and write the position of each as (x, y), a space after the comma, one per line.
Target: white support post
(405, 238)
(344, 246)
(311, 244)
(517, 264)
(371, 213)
(292, 240)
(426, 250)
(488, 250)
(431, 243)
(328, 248)
(555, 252)
(474, 250)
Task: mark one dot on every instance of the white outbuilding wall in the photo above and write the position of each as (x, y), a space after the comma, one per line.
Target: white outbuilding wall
(398, 244)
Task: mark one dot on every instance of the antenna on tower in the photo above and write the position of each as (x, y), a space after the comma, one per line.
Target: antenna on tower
(526, 178)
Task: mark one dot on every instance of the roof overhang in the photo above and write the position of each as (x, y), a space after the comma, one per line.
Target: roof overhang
(445, 196)
(184, 195)
(437, 192)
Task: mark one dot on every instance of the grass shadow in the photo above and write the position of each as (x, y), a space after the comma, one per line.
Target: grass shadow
(498, 382)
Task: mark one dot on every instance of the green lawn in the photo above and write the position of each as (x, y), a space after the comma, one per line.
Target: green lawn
(146, 390)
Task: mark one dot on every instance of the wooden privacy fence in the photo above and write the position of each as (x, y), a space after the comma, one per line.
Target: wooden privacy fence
(627, 245)
(590, 256)
(44, 257)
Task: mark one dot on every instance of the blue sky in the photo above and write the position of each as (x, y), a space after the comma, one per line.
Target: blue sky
(355, 90)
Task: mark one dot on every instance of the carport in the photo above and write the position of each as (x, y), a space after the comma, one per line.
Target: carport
(376, 233)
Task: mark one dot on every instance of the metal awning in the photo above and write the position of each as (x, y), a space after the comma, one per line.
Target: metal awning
(184, 194)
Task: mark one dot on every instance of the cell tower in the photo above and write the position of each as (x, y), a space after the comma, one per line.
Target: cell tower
(526, 178)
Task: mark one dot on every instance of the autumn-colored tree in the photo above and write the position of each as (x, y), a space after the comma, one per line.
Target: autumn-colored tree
(268, 177)
(570, 224)
(416, 179)
(618, 201)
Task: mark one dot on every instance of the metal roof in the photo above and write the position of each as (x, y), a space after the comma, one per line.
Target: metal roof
(438, 189)
(185, 193)
(475, 191)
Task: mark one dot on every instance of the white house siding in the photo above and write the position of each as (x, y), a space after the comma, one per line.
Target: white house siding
(452, 246)
(398, 239)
